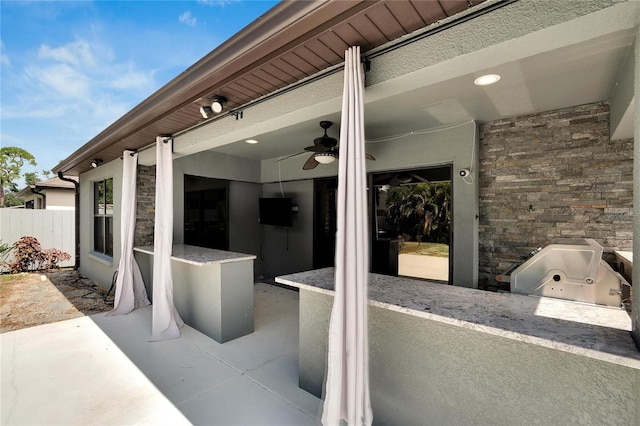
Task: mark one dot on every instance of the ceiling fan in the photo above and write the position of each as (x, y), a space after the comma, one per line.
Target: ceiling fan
(325, 149)
(398, 179)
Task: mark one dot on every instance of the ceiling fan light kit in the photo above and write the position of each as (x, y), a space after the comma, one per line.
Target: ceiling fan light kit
(325, 157)
(324, 149)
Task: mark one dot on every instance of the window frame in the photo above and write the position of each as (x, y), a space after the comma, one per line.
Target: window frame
(102, 243)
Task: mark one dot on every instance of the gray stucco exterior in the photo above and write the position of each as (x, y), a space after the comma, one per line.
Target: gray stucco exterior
(393, 75)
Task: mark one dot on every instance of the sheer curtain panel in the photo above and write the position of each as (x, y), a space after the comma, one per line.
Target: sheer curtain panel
(346, 397)
(166, 321)
(130, 291)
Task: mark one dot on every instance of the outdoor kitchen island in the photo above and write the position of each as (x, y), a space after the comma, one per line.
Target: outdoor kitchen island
(441, 354)
(212, 289)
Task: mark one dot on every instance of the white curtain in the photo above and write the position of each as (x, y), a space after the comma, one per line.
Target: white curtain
(347, 387)
(166, 321)
(130, 291)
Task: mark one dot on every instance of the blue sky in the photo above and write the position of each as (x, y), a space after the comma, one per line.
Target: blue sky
(71, 68)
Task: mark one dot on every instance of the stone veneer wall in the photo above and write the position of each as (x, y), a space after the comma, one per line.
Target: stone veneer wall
(146, 187)
(551, 176)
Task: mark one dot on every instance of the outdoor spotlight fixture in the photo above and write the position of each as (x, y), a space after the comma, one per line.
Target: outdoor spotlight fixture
(325, 157)
(95, 163)
(206, 111)
(217, 104)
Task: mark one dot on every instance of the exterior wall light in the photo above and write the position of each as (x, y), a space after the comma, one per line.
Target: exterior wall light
(206, 111)
(95, 163)
(217, 104)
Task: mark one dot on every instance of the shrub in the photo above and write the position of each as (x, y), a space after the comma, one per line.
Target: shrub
(53, 256)
(5, 249)
(28, 256)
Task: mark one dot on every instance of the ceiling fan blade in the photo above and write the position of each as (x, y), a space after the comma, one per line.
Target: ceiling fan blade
(395, 182)
(311, 163)
(419, 178)
(382, 179)
(291, 156)
(401, 178)
(369, 157)
(317, 148)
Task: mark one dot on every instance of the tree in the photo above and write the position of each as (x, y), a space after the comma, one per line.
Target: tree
(11, 161)
(421, 210)
(31, 178)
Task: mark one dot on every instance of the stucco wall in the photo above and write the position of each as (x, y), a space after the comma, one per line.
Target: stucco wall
(551, 176)
(288, 250)
(427, 372)
(455, 145)
(244, 228)
(61, 199)
(97, 267)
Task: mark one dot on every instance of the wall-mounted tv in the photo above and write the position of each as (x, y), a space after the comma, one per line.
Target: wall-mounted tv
(275, 211)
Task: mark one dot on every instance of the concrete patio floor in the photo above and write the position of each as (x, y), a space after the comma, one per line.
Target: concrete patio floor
(102, 370)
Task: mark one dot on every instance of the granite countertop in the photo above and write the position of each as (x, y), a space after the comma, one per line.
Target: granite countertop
(590, 330)
(200, 256)
(627, 255)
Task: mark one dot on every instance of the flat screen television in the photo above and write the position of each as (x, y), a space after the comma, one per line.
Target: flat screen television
(275, 211)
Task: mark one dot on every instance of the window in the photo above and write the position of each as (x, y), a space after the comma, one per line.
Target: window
(103, 217)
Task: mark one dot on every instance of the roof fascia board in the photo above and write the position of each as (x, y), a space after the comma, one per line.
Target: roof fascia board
(287, 19)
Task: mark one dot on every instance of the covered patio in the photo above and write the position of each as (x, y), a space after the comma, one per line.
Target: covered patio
(545, 154)
(103, 370)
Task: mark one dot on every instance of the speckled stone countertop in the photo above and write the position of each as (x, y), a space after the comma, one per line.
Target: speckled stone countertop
(595, 331)
(627, 255)
(200, 256)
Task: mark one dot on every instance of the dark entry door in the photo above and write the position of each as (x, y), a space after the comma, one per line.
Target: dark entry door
(206, 220)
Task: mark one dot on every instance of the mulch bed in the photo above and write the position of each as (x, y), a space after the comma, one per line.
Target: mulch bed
(31, 299)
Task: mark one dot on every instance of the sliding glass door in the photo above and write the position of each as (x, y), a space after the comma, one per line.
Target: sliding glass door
(412, 223)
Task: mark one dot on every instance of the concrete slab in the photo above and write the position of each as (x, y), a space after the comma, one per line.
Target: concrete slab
(71, 372)
(103, 370)
(420, 266)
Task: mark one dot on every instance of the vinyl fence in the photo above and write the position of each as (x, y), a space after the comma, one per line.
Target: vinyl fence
(53, 228)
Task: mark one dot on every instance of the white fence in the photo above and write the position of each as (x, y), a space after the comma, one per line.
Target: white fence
(52, 228)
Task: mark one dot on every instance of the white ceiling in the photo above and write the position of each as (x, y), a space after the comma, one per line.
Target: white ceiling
(568, 75)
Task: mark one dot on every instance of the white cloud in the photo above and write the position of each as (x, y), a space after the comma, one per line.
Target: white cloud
(188, 19)
(78, 53)
(5, 61)
(136, 80)
(220, 3)
(65, 80)
(82, 85)
(4, 58)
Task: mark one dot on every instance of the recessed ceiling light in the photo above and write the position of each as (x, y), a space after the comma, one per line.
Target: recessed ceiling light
(487, 79)
(251, 141)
